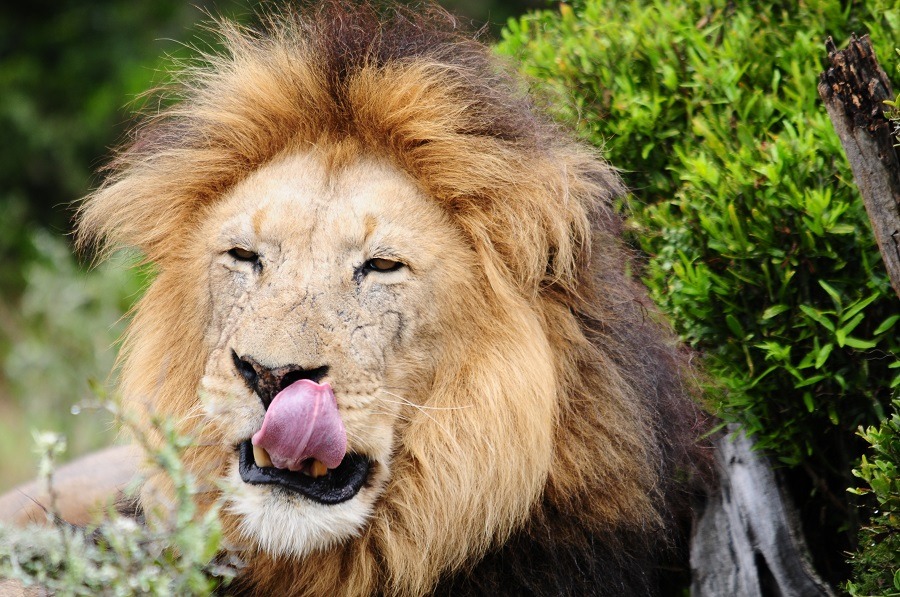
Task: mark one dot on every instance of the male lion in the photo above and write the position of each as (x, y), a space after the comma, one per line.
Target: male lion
(393, 307)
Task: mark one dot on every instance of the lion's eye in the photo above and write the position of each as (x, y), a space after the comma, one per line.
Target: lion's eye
(383, 265)
(243, 254)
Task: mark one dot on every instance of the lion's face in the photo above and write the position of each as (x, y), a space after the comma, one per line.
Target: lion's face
(341, 276)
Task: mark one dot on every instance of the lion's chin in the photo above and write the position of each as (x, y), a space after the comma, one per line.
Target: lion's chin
(283, 522)
(335, 486)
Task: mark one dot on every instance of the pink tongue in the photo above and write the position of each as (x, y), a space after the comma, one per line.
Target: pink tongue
(303, 422)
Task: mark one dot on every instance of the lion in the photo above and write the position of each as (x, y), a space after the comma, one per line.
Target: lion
(393, 305)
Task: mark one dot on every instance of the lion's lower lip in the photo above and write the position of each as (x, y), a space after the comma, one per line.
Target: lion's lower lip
(339, 485)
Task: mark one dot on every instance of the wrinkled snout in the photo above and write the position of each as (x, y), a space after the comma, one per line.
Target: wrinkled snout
(268, 382)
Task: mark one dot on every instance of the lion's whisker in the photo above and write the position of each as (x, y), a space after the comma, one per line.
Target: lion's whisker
(423, 411)
(387, 414)
(420, 406)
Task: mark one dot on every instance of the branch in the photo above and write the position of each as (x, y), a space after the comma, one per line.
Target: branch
(854, 89)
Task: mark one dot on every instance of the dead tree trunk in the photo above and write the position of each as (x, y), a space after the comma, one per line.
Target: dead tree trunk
(746, 541)
(854, 89)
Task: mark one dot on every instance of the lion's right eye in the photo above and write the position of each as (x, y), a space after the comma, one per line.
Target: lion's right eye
(383, 265)
(242, 254)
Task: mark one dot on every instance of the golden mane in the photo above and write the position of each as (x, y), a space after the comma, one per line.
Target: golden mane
(536, 206)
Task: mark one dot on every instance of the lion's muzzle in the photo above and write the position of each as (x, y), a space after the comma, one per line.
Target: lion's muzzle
(302, 444)
(267, 382)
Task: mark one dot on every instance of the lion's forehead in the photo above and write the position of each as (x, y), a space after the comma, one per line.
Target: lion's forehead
(302, 207)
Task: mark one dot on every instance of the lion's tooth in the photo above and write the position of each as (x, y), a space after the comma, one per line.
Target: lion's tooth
(261, 457)
(317, 469)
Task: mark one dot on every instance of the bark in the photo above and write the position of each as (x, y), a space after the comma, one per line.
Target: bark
(746, 541)
(854, 88)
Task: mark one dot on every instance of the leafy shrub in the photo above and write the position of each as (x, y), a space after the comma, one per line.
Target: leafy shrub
(67, 71)
(65, 75)
(171, 555)
(758, 245)
(877, 567)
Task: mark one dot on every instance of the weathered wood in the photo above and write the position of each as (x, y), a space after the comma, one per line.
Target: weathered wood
(746, 541)
(854, 88)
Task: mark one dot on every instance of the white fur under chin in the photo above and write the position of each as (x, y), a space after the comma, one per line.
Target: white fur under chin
(293, 527)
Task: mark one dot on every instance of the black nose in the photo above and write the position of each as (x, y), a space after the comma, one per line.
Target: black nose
(268, 382)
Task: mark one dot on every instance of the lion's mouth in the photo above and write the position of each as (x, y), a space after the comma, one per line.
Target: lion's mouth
(331, 486)
(302, 446)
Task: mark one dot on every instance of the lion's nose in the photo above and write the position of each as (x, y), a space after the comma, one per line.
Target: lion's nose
(267, 382)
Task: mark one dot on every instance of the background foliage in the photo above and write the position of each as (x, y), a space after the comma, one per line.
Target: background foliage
(66, 70)
(757, 244)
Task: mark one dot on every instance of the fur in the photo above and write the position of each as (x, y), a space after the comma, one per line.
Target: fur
(564, 477)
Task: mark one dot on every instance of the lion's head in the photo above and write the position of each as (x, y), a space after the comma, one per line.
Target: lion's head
(392, 305)
(347, 285)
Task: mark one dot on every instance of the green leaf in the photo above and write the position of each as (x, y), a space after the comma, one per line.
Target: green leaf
(832, 415)
(859, 306)
(773, 311)
(765, 374)
(834, 294)
(886, 325)
(810, 381)
(808, 359)
(818, 317)
(850, 325)
(808, 401)
(858, 343)
(736, 225)
(735, 326)
(824, 352)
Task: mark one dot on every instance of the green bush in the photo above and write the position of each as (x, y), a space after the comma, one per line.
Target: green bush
(172, 554)
(68, 73)
(877, 567)
(758, 245)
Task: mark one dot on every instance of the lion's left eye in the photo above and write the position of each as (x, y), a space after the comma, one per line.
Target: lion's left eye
(242, 254)
(382, 265)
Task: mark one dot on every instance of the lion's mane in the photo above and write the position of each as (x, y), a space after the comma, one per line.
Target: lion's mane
(537, 208)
